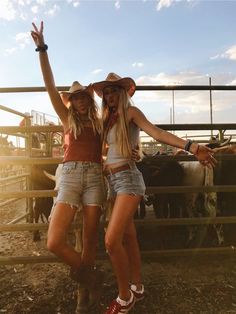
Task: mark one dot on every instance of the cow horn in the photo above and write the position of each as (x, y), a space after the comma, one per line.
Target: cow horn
(49, 175)
(226, 142)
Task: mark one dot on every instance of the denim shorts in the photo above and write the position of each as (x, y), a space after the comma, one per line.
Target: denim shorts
(82, 183)
(126, 182)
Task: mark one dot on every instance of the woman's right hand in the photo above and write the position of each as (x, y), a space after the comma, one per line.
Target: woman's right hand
(37, 35)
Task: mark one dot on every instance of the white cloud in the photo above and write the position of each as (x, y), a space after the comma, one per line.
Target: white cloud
(231, 53)
(216, 57)
(21, 2)
(164, 4)
(22, 39)
(161, 79)
(23, 16)
(190, 106)
(42, 2)
(167, 3)
(97, 71)
(24, 9)
(137, 65)
(228, 54)
(35, 9)
(53, 10)
(7, 11)
(233, 82)
(10, 51)
(117, 5)
(75, 3)
(185, 78)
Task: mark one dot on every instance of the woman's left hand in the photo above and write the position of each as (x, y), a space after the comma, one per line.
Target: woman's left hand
(205, 156)
(136, 155)
(37, 35)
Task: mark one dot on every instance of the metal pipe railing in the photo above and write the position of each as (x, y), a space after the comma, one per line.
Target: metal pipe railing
(138, 88)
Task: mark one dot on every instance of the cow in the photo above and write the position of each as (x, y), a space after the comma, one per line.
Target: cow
(5, 146)
(190, 173)
(157, 172)
(225, 174)
(6, 149)
(41, 206)
(199, 204)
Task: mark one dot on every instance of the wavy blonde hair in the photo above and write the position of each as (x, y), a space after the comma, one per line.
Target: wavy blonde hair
(122, 136)
(76, 125)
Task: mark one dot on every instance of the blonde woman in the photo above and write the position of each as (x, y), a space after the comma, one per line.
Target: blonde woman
(121, 124)
(81, 182)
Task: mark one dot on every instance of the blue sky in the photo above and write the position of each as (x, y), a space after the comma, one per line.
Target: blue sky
(154, 42)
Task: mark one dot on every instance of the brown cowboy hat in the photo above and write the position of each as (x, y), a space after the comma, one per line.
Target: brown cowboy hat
(113, 79)
(75, 88)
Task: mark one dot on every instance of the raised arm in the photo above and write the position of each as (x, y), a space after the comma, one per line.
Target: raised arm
(61, 110)
(202, 153)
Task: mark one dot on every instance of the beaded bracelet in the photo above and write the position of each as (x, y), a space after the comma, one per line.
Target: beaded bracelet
(187, 145)
(42, 48)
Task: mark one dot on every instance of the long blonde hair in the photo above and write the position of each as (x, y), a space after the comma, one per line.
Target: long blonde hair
(122, 136)
(76, 125)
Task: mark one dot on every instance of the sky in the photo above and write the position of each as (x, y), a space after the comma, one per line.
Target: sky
(163, 42)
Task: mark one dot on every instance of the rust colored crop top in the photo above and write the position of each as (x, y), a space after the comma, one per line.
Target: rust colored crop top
(87, 146)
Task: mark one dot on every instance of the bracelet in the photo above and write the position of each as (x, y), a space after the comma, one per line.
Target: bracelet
(187, 145)
(42, 48)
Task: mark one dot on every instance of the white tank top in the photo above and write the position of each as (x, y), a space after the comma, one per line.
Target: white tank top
(113, 154)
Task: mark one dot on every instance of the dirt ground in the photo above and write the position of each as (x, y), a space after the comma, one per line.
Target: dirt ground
(175, 285)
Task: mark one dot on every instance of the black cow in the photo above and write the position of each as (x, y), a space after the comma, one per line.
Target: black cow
(42, 205)
(225, 174)
(157, 172)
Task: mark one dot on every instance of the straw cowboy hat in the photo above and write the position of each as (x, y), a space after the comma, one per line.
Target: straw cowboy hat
(113, 79)
(75, 88)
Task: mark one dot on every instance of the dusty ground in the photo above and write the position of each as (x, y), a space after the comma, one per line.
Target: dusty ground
(174, 285)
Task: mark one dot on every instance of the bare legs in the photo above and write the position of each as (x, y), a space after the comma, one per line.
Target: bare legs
(132, 249)
(90, 234)
(121, 230)
(62, 217)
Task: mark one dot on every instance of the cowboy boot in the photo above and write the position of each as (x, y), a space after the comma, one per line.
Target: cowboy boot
(82, 300)
(87, 276)
(95, 292)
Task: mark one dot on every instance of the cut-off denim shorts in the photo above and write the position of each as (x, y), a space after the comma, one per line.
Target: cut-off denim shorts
(82, 183)
(126, 182)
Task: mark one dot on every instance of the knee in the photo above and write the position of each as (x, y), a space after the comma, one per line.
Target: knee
(111, 244)
(53, 245)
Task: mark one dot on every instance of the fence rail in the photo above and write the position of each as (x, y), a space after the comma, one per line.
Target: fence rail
(150, 255)
(138, 87)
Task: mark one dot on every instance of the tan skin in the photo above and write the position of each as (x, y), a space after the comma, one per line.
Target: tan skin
(126, 258)
(63, 214)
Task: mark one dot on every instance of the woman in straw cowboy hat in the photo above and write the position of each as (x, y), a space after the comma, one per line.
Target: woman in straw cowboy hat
(121, 124)
(81, 181)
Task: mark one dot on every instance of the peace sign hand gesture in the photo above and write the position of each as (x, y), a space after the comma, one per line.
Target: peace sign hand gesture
(37, 35)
